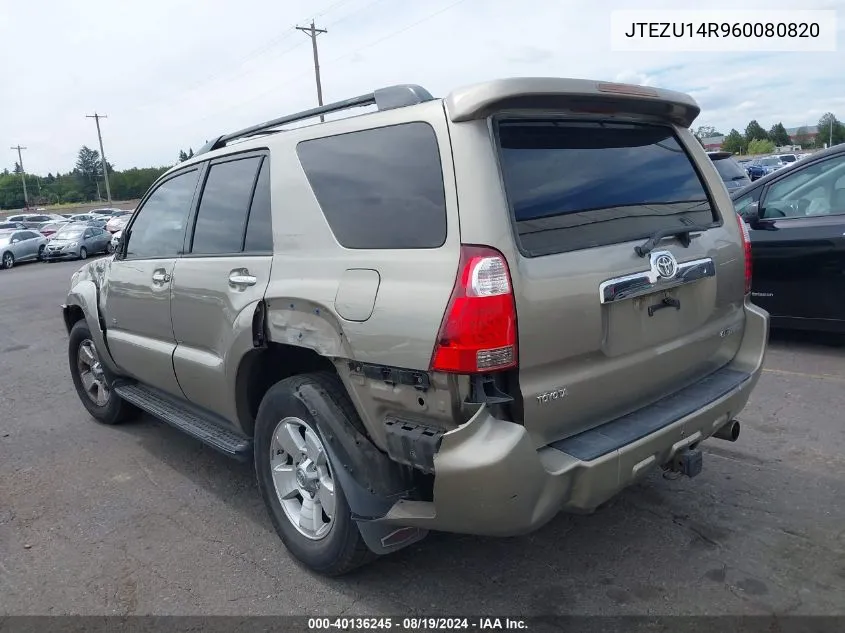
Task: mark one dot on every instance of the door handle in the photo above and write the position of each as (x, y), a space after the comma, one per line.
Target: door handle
(241, 277)
(160, 276)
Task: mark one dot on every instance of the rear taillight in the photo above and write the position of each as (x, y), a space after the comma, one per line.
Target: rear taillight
(746, 247)
(478, 332)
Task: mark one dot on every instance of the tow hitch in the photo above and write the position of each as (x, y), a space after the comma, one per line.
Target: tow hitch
(687, 462)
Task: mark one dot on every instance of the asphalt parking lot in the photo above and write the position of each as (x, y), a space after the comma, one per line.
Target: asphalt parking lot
(140, 519)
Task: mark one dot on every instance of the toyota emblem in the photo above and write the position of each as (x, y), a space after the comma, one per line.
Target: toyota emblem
(665, 265)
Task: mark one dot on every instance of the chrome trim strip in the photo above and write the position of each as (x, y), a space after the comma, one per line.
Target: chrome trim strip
(648, 281)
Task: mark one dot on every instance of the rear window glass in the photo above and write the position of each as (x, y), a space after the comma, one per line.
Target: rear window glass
(379, 188)
(729, 169)
(575, 185)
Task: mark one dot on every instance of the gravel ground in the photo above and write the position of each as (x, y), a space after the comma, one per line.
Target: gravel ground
(140, 519)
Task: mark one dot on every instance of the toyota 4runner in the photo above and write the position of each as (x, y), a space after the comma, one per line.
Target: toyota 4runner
(462, 314)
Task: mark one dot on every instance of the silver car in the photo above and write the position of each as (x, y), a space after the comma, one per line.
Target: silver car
(20, 246)
(77, 241)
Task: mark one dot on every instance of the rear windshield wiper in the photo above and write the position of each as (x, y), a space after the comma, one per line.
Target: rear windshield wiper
(681, 232)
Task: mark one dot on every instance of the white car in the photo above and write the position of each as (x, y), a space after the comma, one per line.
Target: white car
(115, 238)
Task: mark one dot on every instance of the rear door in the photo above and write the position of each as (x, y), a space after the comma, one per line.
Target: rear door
(221, 279)
(612, 330)
(799, 243)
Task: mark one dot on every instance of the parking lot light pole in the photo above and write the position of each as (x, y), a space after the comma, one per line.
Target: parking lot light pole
(97, 118)
(23, 175)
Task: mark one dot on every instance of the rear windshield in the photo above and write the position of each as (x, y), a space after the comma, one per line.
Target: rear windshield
(729, 169)
(787, 158)
(769, 161)
(574, 185)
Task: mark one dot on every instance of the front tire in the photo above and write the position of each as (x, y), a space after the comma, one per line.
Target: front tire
(298, 480)
(93, 385)
(41, 250)
(83, 252)
(8, 260)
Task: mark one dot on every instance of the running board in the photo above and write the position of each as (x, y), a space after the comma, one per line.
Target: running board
(206, 427)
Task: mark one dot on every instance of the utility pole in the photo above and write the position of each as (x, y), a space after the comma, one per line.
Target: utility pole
(97, 118)
(312, 32)
(23, 175)
(831, 133)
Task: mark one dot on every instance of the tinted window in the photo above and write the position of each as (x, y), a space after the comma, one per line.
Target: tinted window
(380, 188)
(259, 230)
(28, 235)
(159, 228)
(729, 170)
(575, 185)
(223, 209)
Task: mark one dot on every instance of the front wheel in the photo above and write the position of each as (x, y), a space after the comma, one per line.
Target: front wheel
(298, 479)
(8, 260)
(83, 252)
(91, 380)
(41, 250)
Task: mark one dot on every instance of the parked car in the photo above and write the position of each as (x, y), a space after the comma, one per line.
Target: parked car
(11, 225)
(732, 174)
(755, 171)
(82, 217)
(49, 229)
(33, 220)
(370, 371)
(786, 159)
(108, 212)
(100, 222)
(77, 241)
(769, 164)
(797, 225)
(117, 222)
(20, 246)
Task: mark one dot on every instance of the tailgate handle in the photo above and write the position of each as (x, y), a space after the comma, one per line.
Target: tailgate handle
(668, 302)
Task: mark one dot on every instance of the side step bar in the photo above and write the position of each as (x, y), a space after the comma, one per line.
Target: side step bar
(206, 427)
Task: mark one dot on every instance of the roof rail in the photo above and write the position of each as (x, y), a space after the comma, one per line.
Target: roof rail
(384, 99)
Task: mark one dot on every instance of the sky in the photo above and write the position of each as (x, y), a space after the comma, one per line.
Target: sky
(170, 74)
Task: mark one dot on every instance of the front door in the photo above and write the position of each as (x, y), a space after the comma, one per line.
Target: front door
(136, 294)
(799, 244)
(221, 279)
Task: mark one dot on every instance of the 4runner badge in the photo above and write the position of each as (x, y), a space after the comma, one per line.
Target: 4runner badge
(556, 394)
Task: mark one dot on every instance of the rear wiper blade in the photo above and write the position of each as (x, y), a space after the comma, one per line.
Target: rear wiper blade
(681, 232)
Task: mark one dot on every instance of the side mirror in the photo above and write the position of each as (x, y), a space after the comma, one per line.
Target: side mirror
(15, 241)
(751, 213)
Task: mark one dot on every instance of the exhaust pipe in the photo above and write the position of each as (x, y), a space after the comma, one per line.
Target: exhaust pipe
(728, 431)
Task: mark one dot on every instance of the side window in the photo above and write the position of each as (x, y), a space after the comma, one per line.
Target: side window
(806, 192)
(88, 233)
(16, 237)
(740, 204)
(379, 188)
(29, 235)
(159, 227)
(221, 217)
(259, 230)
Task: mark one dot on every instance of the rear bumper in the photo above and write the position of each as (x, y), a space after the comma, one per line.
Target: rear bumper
(491, 480)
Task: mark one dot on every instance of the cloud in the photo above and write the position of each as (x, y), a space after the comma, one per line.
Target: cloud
(170, 75)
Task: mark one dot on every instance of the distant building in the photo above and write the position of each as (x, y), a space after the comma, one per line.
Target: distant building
(713, 142)
(803, 135)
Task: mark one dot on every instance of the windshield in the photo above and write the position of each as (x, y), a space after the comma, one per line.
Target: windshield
(69, 234)
(729, 170)
(575, 185)
(766, 162)
(787, 158)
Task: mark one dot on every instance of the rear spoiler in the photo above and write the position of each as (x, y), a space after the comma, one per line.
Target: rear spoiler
(719, 155)
(553, 93)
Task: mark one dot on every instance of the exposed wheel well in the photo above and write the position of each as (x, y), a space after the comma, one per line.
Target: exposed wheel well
(262, 368)
(71, 315)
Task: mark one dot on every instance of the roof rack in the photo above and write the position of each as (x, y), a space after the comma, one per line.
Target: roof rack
(387, 98)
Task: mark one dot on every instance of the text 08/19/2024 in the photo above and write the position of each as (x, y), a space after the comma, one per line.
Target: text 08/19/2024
(723, 31)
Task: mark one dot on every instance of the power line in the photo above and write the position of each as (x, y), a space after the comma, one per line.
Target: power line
(97, 118)
(313, 32)
(23, 175)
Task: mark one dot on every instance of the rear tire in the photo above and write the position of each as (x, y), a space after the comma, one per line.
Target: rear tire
(284, 473)
(41, 250)
(102, 403)
(8, 260)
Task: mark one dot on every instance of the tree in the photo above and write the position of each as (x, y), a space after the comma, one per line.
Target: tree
(831, 130)
(779, 136)
(88, 163)
(707, 131)
(190, 153)
(182, 156)
(755, 131)
(17, 169)
(734, 142)
(761, 146)
(5, 171)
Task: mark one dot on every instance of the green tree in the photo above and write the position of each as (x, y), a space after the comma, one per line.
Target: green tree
(17, 169)
(190, 153)
(734, 142)
(779, 136)
(707, 131)
(761, 146)
(831, 130)
(755, 131)
(182, 156)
